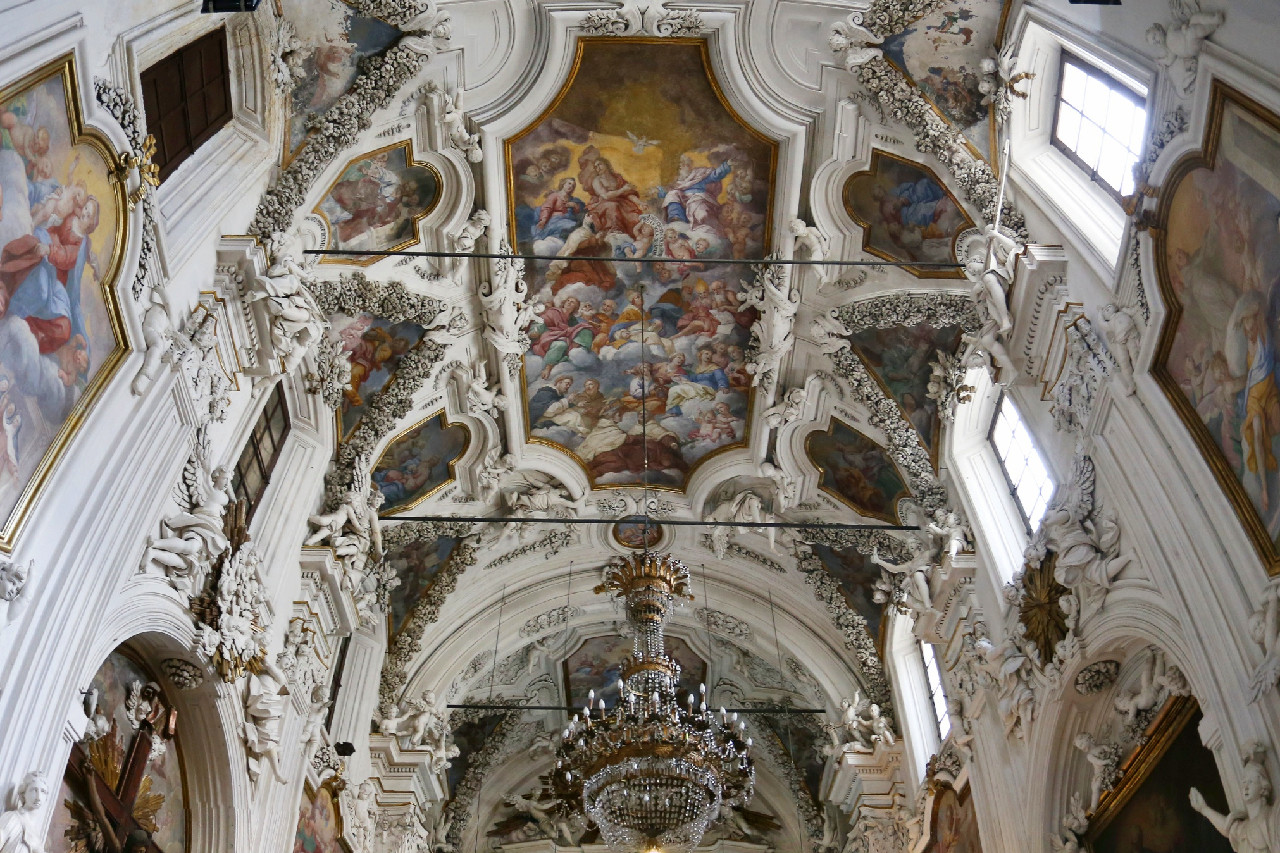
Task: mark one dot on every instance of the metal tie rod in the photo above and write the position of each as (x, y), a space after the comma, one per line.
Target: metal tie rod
(803, 525)
(495, 706)
(371, 253)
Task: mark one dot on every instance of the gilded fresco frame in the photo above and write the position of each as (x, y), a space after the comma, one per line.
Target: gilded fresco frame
(65, 68)
(510, 177)
(334, 789)
(1221, 95)
(1139, 764)
(862, 511)
(453, 473)
(355, 260)
(876, 154)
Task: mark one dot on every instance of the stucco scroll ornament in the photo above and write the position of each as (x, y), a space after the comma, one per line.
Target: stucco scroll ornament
(295, 322)
(21, 830)
(1256, 827)
(1123, 329)
(1083, 537)
(265, 701)
(853, 43)
(831, 334)
(298, 660)
(507, 311)
(1178, 45)
(193, 539)
(637, 18)
(428, 31)
(730, 513)
(772, 334)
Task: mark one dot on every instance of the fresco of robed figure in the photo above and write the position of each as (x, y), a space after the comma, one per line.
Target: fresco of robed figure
(1220, 264)
(376, 202)
(637, 363)
(61, 228)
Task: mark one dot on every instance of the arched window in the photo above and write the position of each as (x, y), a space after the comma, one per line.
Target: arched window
(937, 693)
(1024, 468)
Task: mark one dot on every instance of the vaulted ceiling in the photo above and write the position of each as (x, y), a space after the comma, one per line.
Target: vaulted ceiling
(646, 165)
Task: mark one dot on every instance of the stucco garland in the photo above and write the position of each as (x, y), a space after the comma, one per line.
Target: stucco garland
(354, 293)
(911, 309)
(121, 105)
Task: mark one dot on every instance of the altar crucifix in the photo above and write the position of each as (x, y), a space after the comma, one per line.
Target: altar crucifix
(121, 811)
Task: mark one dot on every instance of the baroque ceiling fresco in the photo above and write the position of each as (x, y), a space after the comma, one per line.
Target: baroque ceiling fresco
(639, 160)
(633, 393)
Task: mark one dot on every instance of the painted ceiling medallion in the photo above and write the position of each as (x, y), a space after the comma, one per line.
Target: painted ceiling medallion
(907, 214)
(637, 364)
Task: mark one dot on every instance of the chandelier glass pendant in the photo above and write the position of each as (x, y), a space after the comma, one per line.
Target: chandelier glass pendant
(652, 774)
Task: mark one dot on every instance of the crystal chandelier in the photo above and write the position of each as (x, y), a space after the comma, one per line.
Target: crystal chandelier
(652, 774)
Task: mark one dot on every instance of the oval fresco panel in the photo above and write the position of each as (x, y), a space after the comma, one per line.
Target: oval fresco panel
(419, 462)
(376, 202)
(907, 215)
(856, 470)
(62, 233)
(637, 532)
(1219, 262)
(639, 160)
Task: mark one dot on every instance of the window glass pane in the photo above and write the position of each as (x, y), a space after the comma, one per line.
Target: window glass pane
(1090, 145)
(1101, 124)
(1096, 99)
(1024, 468)
(1073, 80)
(937, 695)
(1069, 126)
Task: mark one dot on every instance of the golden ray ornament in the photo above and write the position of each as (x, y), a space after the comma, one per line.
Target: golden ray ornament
(1039, 609)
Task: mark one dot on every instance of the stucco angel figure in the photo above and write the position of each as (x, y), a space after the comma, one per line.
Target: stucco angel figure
(1178, 45)
(786, 412)
(1124, 336)
(313, 727)
(548, 825)
(157, 332)
(852, 732)
(1086, 542)
(1256, 827)
(483, 397)
(359, 816)
(353, 529)
(1011, 665)
(785, 489)
(192, 540)
(777, 300)
(439, 842)
(854, 43)
(464, 243)
(21, 830)
(731, 513)
(507, 311)
(918, 570)
(989, 265)
(1264, 629)
(266, 699)
(831, 335)
(454, 121)
(1104, 758)
(1156, 682)
(295, 320)
(495, 468)
(813, 242)
(982, 349)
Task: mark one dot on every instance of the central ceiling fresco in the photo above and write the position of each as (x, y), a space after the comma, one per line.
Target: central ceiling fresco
(638, 363)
